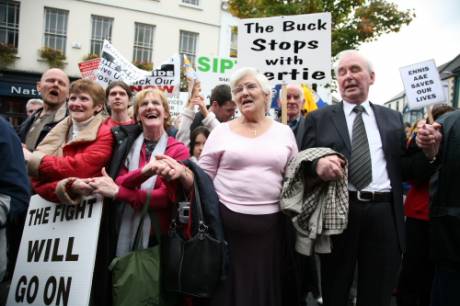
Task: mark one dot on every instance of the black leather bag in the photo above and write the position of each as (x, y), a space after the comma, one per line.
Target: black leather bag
(195, 266)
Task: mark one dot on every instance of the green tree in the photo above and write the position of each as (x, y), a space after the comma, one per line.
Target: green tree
(353, 21)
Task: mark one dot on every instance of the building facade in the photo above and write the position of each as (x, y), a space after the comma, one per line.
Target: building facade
(146, 32)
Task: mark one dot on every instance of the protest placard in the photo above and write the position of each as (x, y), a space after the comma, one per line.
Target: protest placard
(89, 68)
(115, 67)
(291, 49)
(57, 253)
(422, 84)
(212, 71)
(165, 78)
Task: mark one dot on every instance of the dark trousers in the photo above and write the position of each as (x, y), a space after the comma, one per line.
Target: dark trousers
(370, 242)
(446, 287)
(416, 275)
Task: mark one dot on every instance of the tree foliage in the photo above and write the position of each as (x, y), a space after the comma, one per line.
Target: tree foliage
(353, 21)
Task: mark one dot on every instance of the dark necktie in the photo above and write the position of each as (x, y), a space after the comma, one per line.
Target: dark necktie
(360, 169)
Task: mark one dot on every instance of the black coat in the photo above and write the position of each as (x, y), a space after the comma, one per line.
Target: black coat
(327, 127)
(445, 202)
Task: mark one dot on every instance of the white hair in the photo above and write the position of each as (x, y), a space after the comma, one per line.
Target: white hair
(344, 53)
(34, 101)
(249, 71)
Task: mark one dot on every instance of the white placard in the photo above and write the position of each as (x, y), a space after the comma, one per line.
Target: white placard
(291, 49)
(165, 78)
(57, 253)
(212, 71)
(422, 84)
(114, 67)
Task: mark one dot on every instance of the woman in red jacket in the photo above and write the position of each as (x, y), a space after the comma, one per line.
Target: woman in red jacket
(78, 147)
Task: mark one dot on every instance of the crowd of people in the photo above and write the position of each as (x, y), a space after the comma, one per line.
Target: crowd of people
(85, 140)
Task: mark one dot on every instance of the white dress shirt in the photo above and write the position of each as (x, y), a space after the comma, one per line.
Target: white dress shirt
(380, 180)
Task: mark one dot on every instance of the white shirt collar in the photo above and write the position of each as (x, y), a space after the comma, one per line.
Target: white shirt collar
(348, 107)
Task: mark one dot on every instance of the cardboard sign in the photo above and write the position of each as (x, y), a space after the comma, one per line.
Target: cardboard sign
(166, 78)
(213, 71)
(114, 67)
(57, 253)
(290, 49)
(422, 84)
(177, 104)
(89, 68)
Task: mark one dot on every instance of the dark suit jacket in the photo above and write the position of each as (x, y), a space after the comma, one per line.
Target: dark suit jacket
(327, 127)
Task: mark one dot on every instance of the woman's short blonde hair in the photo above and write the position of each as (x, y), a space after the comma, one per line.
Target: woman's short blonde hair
(140, 96)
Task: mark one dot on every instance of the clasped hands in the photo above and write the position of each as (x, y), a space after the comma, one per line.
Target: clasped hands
(429, 138)
(105, 186)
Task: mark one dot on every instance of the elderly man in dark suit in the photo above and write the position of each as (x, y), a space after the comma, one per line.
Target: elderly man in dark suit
(372, 138)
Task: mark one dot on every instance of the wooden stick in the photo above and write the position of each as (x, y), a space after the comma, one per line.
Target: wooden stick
(284, 104)
(430, 114)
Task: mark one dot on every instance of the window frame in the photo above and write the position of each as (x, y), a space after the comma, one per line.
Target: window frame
(11, 29)
(195, 3)
(97, 41)
(49, 35)
(142, 46)
(191, 35)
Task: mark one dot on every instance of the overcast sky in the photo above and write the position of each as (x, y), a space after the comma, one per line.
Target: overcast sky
(433, 34)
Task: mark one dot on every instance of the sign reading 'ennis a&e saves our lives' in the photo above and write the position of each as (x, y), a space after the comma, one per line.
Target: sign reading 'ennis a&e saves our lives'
(291, 49)
(57, 253)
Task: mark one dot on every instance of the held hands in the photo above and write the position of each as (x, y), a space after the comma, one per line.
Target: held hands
(103, 185)
(429, 138)
(330, 168)
(81, 187)
(166, 167)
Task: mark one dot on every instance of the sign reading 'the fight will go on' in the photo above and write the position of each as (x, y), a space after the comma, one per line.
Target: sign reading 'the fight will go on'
(57, 254)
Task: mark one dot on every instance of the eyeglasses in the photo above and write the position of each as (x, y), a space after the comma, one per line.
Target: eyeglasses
(249, 87)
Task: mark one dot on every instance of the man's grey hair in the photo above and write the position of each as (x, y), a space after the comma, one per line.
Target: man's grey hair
(344, 53)
(34, 102)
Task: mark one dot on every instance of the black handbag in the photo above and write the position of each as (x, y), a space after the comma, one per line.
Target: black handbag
(195, 266)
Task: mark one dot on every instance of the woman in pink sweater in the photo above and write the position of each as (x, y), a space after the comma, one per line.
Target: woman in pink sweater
(246, 159)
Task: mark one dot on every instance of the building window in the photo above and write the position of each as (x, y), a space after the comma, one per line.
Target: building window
(101, 29)
(56, 28)
(187, 45)
(234, 42)
(9, 23)
(143, 43)
(191, 2)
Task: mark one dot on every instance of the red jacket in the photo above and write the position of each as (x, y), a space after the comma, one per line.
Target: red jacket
(162, 196)
(417, 199)
(83, 157)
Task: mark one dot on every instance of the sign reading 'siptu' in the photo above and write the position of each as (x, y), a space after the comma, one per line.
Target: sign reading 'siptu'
(57, 253)
(291, 49)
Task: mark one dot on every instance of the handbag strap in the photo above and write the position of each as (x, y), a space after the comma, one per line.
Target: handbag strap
(153, 219)
(202, 227)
